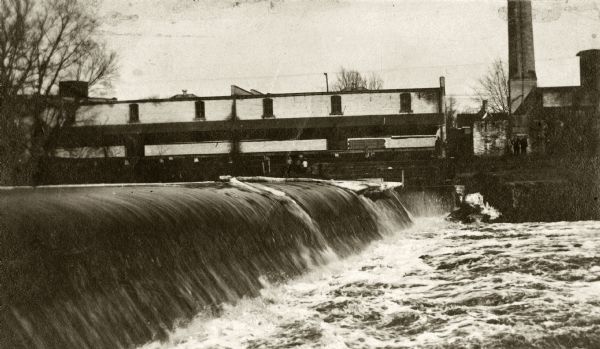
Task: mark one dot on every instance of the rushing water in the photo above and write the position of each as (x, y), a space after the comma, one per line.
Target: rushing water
(118, 266)
(435, 285)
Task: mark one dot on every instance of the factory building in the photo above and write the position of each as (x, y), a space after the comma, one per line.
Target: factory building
(566, 119)
(187, 137)
(251, 122)
(552, 120)
(540, 120)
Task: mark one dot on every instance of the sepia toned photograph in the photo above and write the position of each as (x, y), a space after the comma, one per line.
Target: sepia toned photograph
(256, 174)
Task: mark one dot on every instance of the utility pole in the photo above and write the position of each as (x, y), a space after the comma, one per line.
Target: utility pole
(326, 81)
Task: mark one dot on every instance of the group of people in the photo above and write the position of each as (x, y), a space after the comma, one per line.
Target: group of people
(297, 165)
(519, 145)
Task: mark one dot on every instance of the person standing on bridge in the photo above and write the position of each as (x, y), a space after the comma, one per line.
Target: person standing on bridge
(288, 166)
(524, 145)
(304, 166)
(515, 145)
(298, 164)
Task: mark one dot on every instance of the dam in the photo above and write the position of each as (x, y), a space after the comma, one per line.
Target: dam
(256, 263)
(117, 266)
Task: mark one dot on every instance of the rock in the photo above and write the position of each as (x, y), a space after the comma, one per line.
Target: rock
(468, 213)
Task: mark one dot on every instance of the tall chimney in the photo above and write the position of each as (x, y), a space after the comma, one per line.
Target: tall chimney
(484, 106)
(521, 58)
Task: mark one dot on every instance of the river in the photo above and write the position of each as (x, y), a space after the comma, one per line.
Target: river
(435, 285)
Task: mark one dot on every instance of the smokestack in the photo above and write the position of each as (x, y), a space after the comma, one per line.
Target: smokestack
(589, 69)
(521, 57)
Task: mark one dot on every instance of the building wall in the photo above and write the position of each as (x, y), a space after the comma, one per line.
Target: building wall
(206, 148)
(224, 147)
(557, 98)
(490, 138)
(215, 110)
(151, 112)
(262, 146)
(102, 114)
(91, 152)
(352, 105)
(410, 142)
(280, 146)
(394, 142)
(156, 112)
(567, 98)
(379, 103)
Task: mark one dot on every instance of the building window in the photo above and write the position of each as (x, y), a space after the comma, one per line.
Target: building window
(405, 103)
(336, 105)
(268, 108)
(199, 107)
(134, 113)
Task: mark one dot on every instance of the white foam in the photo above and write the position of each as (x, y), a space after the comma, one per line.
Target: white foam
(399, 279)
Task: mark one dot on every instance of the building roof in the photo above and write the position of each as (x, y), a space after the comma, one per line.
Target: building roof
(487, 116)
(184, 95)
(191, 97)
(468, 119)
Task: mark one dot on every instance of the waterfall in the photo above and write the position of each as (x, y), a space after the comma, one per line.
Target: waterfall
(117, 266)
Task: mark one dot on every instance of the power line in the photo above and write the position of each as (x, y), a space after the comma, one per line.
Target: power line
(278, 76)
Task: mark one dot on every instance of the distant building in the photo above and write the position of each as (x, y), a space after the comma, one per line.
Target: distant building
(551, 119)
(541, 120)
(481, 134)
(566, 119)
(249, 122)
(490, 136)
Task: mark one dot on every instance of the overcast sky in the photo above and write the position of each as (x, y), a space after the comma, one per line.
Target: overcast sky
(205, 46)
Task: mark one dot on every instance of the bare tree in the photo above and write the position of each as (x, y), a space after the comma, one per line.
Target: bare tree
(493, 87)
(374, 81)
(352, 80)
(97, 66)
(42, 43)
